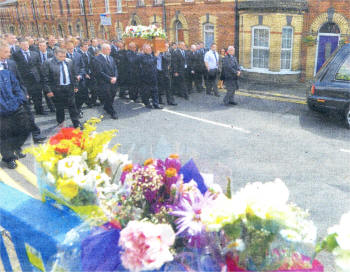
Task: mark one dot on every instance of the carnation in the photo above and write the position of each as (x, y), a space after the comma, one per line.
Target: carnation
(146, 246)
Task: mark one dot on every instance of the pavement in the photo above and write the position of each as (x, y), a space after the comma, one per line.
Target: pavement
(269, 134)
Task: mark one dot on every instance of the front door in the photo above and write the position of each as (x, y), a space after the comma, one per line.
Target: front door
(326, 45)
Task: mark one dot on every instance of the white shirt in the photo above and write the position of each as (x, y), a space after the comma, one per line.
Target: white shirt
(211, 60)
(65, 70)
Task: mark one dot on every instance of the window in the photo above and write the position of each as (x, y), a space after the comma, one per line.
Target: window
(70, 30)
(140, 3)
(61, 6)
(82, 7)
(119, 33)
(68, 6)
(261, 47)
(107, 6)
(78, 28)
(179, 33)
(208, 31)
(133, 22)
(37, 9)
(119, 6)
(45, 9)
(158, 2)
(344, 71)
(286, 50)
(60, 31)
(50, 6)
(92, 31)
(53, 31)
(90, 6)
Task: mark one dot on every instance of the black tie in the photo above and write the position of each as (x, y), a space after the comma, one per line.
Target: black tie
(87, 56)
(63, 74)
(44, 58)
(107, 58)
(27, 56)
(215, 57)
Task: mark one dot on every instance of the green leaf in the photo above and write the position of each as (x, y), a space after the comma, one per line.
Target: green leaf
(228, 188)
(328, 244)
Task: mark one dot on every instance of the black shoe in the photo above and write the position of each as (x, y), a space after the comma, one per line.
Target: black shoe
(158, 107)
(11, 164)
(52, 110)
(149, 106)
(217, 95)
(208, 93)
(114, 116)
(172, 104)
(81, 114)
(19, 154)
(232, 103)
(44, 113)
(39, 139)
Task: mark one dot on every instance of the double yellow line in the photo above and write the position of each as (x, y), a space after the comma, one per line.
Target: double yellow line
(28, 175)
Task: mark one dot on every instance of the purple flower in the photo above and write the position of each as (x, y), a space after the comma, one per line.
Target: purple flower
(173, 162)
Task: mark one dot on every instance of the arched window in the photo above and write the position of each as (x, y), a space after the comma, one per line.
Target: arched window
(46, 33)
(92, 30)
(78, 28)
(107, 6)
(45, 9)
(81, 7)
(12, 29)
(60, 31)
(90, 6)
(119, 6)
(179, 32)
(133, 22)
(208, 34)
(286, 50)
(260, 47)
(70, 30)
(119, 33)
(68, 6)
(50, 6)
(330, 28)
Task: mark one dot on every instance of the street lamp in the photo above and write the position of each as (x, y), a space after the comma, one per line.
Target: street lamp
(236, 30)
(85, 18)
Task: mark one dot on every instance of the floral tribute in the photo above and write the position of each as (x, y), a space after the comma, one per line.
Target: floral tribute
(338, 242)
(73, 164)
(145, 32)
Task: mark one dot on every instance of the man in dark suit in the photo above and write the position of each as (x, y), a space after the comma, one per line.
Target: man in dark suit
(230, 73)
(106, 75)
(60, 84)
(163, 76)
(93, 47)
(179, 66)
(28, 64)
(133, 71)
(192, 68)
(148, 77)
(51, 44)
(44, 55)
(7, 63)
(119, 54)
(12, 41)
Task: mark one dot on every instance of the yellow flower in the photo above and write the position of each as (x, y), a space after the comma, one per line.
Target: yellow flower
(148, 162)
(170, 172)
(68, 188)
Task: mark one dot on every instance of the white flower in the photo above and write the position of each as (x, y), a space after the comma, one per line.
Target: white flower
(237, 244)
(112, 158)
(71, 166)
(343, 232)
(290, 235)
(342, 259)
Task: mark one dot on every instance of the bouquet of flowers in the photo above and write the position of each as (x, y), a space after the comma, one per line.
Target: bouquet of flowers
(261, 230)
(338, 242)
(145, 32)
(73, 164)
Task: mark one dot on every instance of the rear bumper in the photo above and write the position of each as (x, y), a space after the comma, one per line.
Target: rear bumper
(327, 103)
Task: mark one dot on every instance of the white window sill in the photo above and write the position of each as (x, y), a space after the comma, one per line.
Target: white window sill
(266, 71)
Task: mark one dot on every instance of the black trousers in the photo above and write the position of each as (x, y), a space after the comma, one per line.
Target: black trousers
(134, 89)
(231, 87)
(106, 93)
(35, 92)
(14, 130)
(190, 79)
(82, 96)
(179, 86)
(149, 91)
(164, 86)
(64, 97)
(198, 81)
(49, 101)
(92, 87)
(212, 84)
(33, 126)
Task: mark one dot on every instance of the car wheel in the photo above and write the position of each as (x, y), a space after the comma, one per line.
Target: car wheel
(347, 116)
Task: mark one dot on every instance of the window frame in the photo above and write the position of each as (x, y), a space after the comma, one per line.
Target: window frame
(119, 6)
(347, 59)
(81, 4)
(205, 31)
(290, 49)
(107, 8)
(176, 30)
(259, 47)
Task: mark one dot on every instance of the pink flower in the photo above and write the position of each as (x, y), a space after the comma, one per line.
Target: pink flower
(146, 245)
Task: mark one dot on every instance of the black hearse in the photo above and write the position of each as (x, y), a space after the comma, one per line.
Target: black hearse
(331, 88)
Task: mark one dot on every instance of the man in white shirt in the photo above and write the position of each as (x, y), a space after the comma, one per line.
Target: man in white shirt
(211, 60)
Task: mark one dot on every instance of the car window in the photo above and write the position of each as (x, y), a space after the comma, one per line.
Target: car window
(344, 70)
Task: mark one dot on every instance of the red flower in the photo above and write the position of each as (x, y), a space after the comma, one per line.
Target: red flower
(71, 134)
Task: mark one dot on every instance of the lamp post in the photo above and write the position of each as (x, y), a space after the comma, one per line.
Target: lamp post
(34, 15)
(164, 16)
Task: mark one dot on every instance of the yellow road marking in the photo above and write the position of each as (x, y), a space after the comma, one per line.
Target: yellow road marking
(5, 178)
(281, 99)
(27, 174)
(272, 94)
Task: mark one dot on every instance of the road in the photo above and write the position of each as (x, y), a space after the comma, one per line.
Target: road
(266, 136)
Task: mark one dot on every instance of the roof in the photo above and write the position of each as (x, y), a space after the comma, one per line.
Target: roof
(8, 3)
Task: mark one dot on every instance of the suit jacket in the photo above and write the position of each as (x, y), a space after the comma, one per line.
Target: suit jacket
(178, 62)
(166, 62)
(92, 51)
(114, 53)
(104, 71)
(51, 74)
(133, 67)
(193, 61)
(77, 63)
(148, 70)
(230, 67)
(14, 49)
(28, 70)
(34, 47)
(41, 63)
(86, 62)
(13, 68)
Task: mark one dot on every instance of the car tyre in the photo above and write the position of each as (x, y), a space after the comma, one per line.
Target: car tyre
(347, 116)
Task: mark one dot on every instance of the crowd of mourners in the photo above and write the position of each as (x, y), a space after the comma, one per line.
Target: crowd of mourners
(70, 73)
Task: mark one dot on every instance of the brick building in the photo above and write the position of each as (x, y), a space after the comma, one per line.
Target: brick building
(279, 40)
